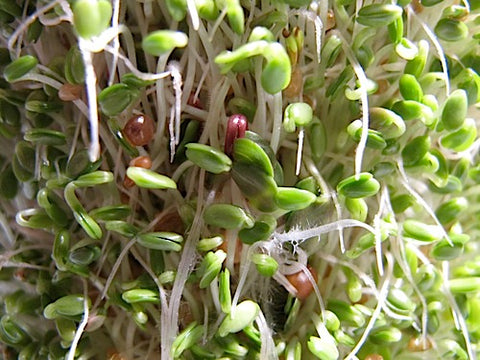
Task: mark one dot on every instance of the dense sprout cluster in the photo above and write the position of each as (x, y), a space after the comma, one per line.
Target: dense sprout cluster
(235, 179)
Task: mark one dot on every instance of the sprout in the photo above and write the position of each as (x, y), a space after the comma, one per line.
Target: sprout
(293, 198)
(161, 241)
(149, 179)
(116, 98)
(19, 67)
(451, 30)
(358, 187)
(161, 42)
(225, 296)
(227, 216)
(276, 72)
(265, 264)
(91, 17)
(134, 296)
(377, 15)
(323, 349)
(455, 110)
(245, 313)
(186, 339)
(210, 267)
(69, 306)
(208, 158)
(248, 152)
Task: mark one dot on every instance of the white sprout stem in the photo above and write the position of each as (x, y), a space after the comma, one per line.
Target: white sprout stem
(267, 349)
(318, 37)
(282, 280)
(322, 330)
(241, 283)
(299, 235)
(163, 296)
(135, 71)
(217, 24)
(116, 42)
(423, 301)
(115, 268)
(362, 78)
(380, 304)
(456, 313)
(231, 239)
(317, 22)
(378, 235)
(192, 10)
(8, 240)
(171, 133)
(82, 325)
(91, 87)
(174, 125)
(260, 122)
(301, 136)
(338, 210)
(22, 265)
(361, 274)
(215, 295)
(420, 200)
(313, 170)
(277, 122)
(190, 67)
(438, 47)
(310, 278)
(169, 325)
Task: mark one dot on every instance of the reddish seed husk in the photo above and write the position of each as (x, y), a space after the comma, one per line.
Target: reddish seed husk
(301, 282)
(128, 183)
(194, 101)
(70, 92)
(296, 82)
(417, 344)
(374, 357)
(141, 161)
(236, 126)
(139, 130)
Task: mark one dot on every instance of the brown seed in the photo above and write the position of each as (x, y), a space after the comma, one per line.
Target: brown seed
(170, 221)
(296, 83)
(185, 314)
(301, 282)
(127, 182)
(70, 92)
(141, 161)
(417, 6)
(194, 101)
(112, 354)
(139, 130)
(383, 86)
(330, 20)
(417, 344)
(374, 357)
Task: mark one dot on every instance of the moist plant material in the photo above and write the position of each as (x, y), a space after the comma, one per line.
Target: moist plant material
(236, 179)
